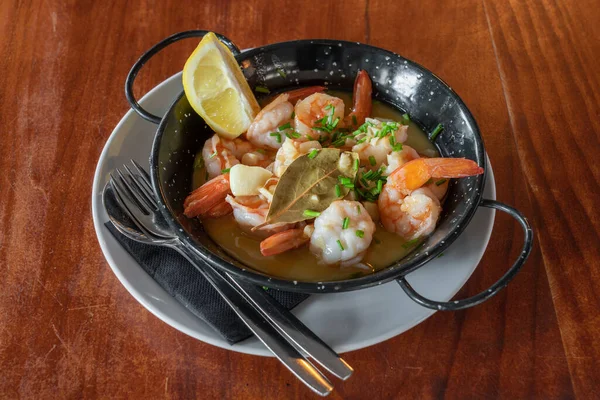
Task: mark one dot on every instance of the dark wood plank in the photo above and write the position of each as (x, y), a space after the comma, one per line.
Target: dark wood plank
(547, 56)
(503, 345)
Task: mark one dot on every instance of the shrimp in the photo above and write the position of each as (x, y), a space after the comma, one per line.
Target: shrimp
(397, 159)
(361, 107)
(375, 149)
(275, 114)
(291, 150)
(220, 153)
(206, 200)
(286, 240)
(335, 241)
(411, 210)
(250, 212)
(313, 109)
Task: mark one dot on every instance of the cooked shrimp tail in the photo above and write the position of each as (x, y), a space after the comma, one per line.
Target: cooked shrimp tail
(361, 107)
(207, 196)
(283, 241)
(299, 94)
(220, 210)
(416, 173)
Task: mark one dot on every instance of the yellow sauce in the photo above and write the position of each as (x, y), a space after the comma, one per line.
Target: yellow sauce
(300, 264)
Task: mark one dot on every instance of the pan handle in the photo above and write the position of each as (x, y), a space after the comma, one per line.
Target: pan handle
(148, 55)
(496, 287)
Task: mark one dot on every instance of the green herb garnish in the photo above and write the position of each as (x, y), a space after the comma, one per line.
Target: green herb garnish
(372, 160)
(313, 153)
(338, 191)
(292, 135)
(281, 72)
(311, 213)
(346, 223)
(226, 170)
(405, 119)
(379, 186)
(261, 89)
(340, 244)
(213, 155)
(436, 131)
(265, 288)
(293, 114)
(284, 127)
(356, 164)
(360, 233)
(261, 151)
(440, 182)
(277, 136)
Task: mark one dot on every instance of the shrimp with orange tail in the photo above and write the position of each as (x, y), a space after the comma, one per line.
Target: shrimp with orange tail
(209, 199)
(286, 240)
(411, 210)
(263, 132)
(361, 107)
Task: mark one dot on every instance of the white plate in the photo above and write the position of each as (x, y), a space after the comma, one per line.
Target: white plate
(346, 321)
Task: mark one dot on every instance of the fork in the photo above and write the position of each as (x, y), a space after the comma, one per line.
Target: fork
(290, 340)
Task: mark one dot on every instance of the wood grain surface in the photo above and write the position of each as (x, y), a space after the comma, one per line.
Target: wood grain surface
(527, 69)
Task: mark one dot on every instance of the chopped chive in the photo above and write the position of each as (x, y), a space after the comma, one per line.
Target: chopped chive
(340, 244)
(329, 107)
(372, 160)
(313, 153)
(261, 151)
(346, 223)
(354, 121)
(310, 138)
(293, 114)
(361, 140)
(311, 213)
(349, 185)
(277, 136)
(364, 181)
(379, 186)
(339, 142)
(368, 175)
(265, 288)
(440, 182)
(226, 170)
(397, 147)
(358, 211)
(430, 181)
(281, 72)
(292, 135)
(284, 127)
(213, 155)
(360, 233)
(344, 180)
(405, 119)
(334, 124)
(436, 131)
(441, 254)
(356, 164)
(262, 89)
(410, 243)
(338, 191)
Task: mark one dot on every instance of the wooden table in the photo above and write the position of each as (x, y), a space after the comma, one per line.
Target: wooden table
(527, 69)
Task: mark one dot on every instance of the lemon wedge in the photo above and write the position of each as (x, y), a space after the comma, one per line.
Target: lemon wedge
(217, 90)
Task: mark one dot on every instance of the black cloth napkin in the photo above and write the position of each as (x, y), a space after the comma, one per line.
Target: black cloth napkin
(182, 281)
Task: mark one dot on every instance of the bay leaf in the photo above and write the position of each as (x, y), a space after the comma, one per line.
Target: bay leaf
(309, 184)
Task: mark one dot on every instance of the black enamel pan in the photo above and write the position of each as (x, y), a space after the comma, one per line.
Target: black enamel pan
(398, 82)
